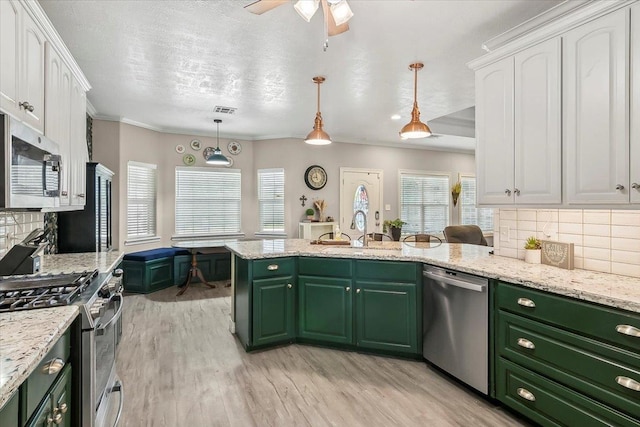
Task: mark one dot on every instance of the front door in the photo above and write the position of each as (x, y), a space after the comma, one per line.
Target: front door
(360, 189)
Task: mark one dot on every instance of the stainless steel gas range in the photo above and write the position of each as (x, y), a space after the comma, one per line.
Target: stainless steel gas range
(99, 297)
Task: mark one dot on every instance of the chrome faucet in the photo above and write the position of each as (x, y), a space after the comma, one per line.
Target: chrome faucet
(365, 241)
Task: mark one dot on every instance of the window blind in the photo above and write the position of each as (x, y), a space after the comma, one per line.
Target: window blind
(469, 214)
(141, 200)
(424, 201)
(271, 199)
(207, 201)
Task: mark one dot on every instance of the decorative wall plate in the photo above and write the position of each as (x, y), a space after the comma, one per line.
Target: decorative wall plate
(207, 152)
(196, 144)
(179, 148)
(230, 162)
(234, 147)
(189, 159)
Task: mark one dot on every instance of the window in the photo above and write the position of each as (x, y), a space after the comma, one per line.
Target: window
(424, 202)
(271, 200)
(207, 201)
(141, 200)
(469, 214)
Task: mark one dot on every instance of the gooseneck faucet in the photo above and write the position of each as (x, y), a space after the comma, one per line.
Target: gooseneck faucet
(365, 241)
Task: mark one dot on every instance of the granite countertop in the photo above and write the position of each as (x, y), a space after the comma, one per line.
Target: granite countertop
(67, 263)
(603, 288)
(25, 338)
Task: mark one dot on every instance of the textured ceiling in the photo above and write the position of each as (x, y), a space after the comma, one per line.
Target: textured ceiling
(167, 64)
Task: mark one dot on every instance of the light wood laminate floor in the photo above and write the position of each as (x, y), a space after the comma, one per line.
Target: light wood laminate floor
(181, 367)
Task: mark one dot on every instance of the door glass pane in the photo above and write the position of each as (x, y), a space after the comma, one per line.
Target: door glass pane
(360, 203)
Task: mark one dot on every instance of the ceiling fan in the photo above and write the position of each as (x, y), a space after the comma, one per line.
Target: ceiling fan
(336, 12)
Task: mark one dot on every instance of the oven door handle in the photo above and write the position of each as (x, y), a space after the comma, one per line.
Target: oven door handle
(102, 327)
(119, 388)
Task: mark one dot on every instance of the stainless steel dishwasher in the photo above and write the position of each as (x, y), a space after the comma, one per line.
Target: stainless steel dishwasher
(456, 325)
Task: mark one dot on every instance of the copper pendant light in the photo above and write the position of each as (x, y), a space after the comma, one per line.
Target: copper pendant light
(415, 128)
(317, 136)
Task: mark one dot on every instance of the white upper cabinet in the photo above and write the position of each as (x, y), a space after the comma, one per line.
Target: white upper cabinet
(494, 133)
(634, 145)
(538, 137)
(22, 70)
(78, 139)
(518, 128)
(596, 126)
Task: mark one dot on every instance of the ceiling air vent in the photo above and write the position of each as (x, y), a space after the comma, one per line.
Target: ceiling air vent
(224, 110)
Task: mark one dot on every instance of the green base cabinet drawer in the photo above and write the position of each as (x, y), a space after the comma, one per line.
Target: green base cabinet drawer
(38, 383)
(325, 309)
(9, 412)
(273, 267)
(387, 316)
(325, 267)
(55, 409)
(395, 271)
(147, 276)
(273, 310)
(550, 404)
(600, 322)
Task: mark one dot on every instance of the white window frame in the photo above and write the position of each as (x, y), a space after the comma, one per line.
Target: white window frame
(470, 175)
(424, 173)
(231, 234)
(262, 231)
(151, 201)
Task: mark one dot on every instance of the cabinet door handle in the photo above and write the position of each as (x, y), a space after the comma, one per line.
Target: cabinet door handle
(632, 331)
(53, 366)
(347, 289)
(629, 383)
(526, 394)
(56, 419)
(507, 192)
(620, 187)
(64, 193)
(27, 106)
(272, 267)
(525, 343)
(80, 195)
(635, 186)
(358, 291)
(515, 190)
(289, 285)
(63, 408)
(526, 302)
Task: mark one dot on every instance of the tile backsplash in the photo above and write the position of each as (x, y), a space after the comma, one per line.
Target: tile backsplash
(604, 240)
(15, 226)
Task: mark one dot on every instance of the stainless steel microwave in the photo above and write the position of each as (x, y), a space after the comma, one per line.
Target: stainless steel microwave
(30, 167)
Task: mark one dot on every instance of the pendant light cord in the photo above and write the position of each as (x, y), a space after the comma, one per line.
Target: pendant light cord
(318, 111)
(218, 135)
(415, 85)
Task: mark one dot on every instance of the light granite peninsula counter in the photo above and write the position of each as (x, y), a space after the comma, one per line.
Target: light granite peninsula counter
(25, 338)
(608, 289)
(105, 262)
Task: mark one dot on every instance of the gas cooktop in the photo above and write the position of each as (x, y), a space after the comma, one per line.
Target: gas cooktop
(29, 292)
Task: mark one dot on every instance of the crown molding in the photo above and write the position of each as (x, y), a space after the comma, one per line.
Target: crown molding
(36, 12)
(91, 110)
(549, 24)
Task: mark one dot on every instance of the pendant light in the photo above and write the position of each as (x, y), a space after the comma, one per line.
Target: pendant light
(217, 158)
(415, 128)
(317, 136)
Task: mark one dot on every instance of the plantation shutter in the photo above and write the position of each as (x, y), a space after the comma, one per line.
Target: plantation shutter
(469, 214)
(141, 200)
(424, 202)
(207, 201)
(271, 199)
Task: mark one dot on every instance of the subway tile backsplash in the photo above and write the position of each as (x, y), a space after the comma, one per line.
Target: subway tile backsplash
(604, 240)
(15, 226)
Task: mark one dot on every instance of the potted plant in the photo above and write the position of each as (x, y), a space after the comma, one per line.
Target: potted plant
(394, 226)
(533, 251)
(455, 192)
(311, 214)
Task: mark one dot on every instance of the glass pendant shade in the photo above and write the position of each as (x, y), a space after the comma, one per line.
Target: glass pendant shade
(415, 128)
(341, 12)
(306, 8)
(217, 158)
(318, 136)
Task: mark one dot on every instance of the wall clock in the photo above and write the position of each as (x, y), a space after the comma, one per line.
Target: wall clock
(315, 177)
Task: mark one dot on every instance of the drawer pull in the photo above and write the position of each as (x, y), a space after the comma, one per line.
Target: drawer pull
(272, 267)
(525, 343)
(632, 331)
(289, 285)
(526, 394)
(526, 302)
(53, 367)
(629, 383)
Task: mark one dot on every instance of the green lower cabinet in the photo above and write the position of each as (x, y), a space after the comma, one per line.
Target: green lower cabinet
(55, 408)
(387, 316)
(325, 309)
(549, 403)
(9, 412)
(273, 310)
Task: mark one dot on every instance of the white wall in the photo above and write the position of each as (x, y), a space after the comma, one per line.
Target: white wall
(117, 143)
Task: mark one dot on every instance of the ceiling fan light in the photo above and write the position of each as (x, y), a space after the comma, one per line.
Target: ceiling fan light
(217, 158)
(306, 8)
(341, 12)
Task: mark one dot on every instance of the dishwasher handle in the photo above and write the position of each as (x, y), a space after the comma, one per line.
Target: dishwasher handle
(454, 282)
